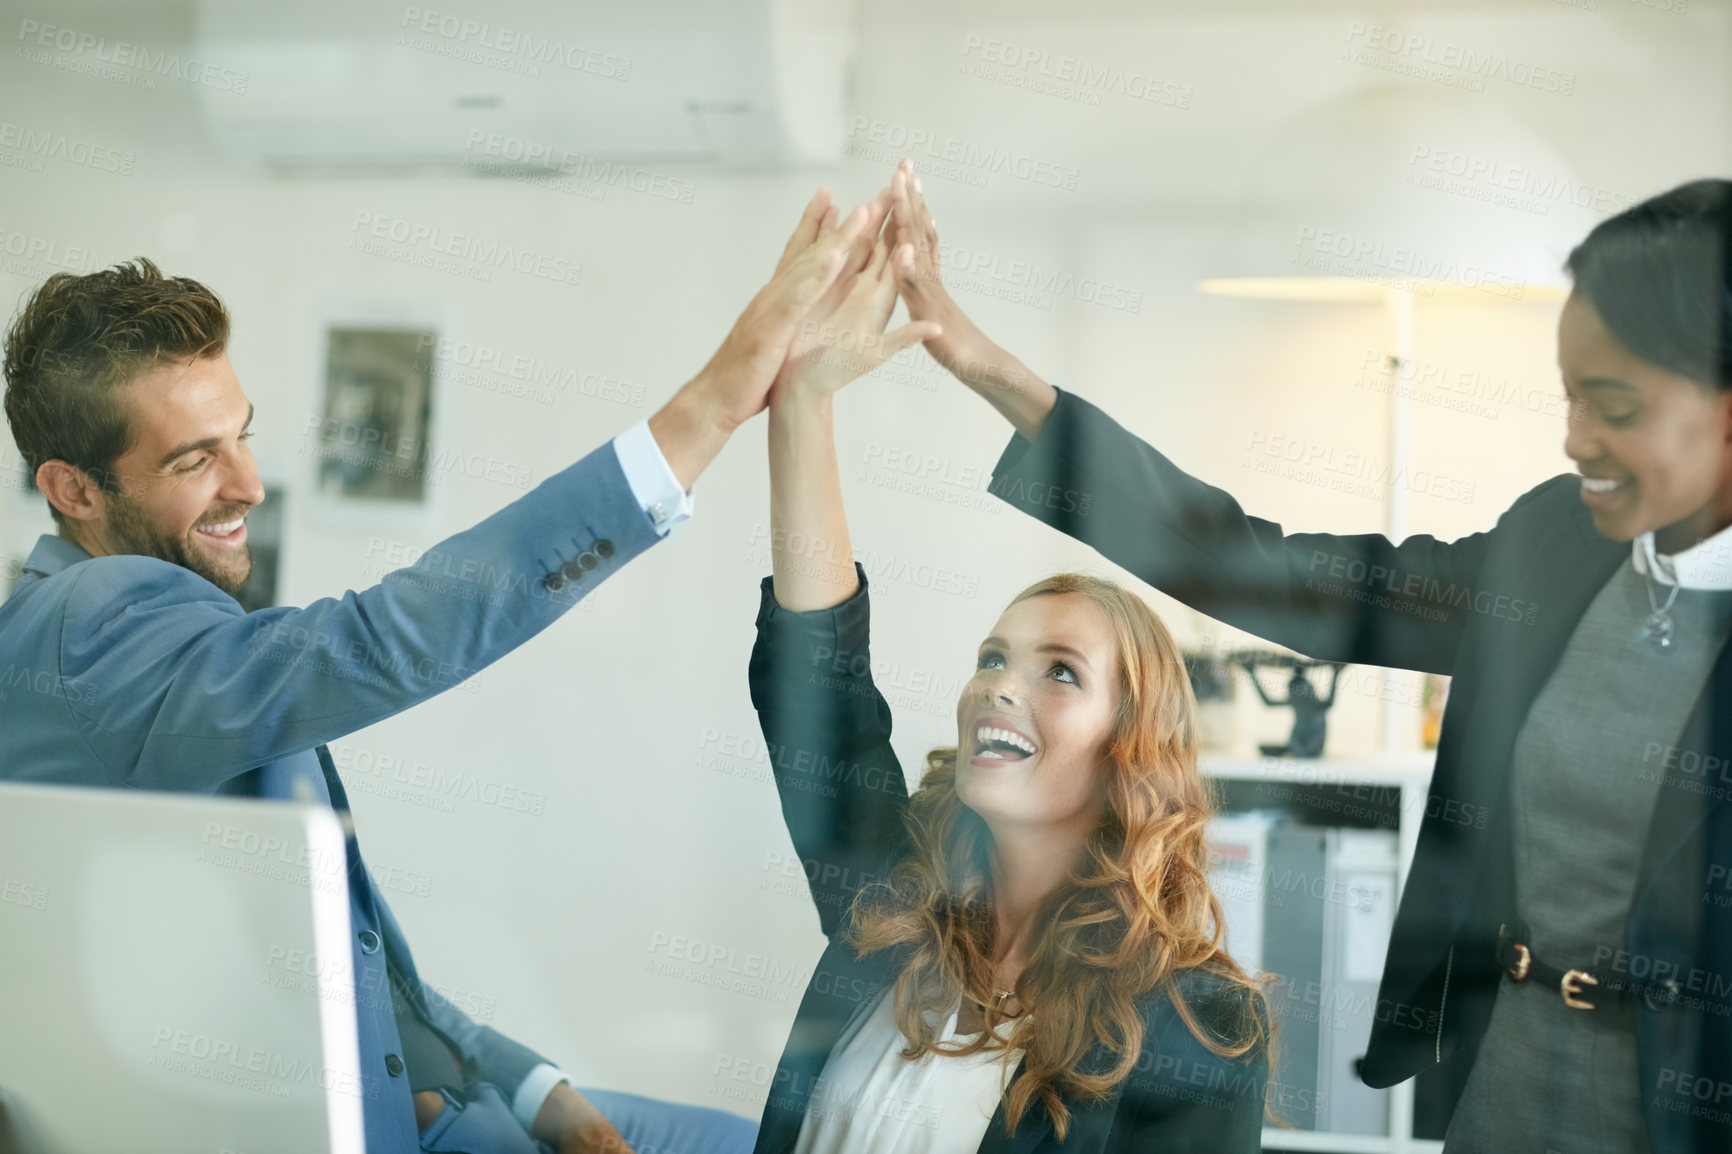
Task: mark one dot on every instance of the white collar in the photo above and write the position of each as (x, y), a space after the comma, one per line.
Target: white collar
(1704, 565)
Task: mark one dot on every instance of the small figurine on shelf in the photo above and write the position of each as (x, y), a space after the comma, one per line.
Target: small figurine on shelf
(1310, 713)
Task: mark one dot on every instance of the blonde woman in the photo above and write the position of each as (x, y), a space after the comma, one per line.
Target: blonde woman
(1023, 956)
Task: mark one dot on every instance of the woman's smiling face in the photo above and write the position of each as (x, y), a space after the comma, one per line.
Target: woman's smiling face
(1652, 444)
(1036, 720)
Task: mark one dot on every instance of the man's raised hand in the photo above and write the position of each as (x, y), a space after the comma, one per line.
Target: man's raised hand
(734, 386)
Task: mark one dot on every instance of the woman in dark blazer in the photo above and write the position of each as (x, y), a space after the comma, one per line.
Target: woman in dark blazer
(1023, 956)
(1564, 940)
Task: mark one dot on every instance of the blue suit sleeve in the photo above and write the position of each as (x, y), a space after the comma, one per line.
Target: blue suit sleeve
(497, 1059)
(213, 692)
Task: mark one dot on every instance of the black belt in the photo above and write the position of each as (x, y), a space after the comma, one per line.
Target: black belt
(1582, 989)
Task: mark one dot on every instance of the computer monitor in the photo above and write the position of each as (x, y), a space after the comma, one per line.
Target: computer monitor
(175, 975)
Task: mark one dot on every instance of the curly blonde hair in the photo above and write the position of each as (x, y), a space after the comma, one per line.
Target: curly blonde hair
(1134, 910)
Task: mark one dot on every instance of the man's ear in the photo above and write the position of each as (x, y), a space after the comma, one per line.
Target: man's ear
(71, 490)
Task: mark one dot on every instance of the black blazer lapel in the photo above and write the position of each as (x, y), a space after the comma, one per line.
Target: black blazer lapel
(843, 987)
(1563, 569)
(1033, 1133)
(1561, 563)
(1690, 791)
(1091, 1122)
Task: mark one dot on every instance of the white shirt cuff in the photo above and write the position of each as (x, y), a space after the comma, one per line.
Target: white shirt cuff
(651, 479)
(526, 1103)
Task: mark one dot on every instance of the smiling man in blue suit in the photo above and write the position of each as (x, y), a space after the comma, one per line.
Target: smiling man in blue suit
(130, 417)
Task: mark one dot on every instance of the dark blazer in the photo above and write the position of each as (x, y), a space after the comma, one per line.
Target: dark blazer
(843, 795)
(1494, 611)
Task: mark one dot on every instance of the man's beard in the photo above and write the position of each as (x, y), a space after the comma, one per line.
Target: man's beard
(130, 530)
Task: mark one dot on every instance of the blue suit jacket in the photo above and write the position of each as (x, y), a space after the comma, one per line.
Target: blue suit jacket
(136, 673)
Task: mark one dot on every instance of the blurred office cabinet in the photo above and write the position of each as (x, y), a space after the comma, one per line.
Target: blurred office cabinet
(1307, 859)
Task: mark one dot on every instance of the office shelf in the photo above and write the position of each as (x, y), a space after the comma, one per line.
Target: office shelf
(1375, 790)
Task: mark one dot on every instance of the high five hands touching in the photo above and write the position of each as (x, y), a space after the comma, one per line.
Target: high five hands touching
(734, 386)
(843, 336)
(819, 323)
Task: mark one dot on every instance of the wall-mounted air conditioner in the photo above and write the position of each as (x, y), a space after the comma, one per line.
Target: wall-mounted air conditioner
(363, 84)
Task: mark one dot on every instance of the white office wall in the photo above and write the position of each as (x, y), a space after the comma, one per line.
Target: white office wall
(630, 716)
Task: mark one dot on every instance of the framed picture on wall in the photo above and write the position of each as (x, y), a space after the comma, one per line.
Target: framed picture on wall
(376, 416)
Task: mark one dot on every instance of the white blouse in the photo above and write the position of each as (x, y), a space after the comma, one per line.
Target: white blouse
(1705, 565)
(872, 1100)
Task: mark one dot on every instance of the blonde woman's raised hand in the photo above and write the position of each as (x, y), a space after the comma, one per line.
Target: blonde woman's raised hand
(735, 385)
(843, 336)
(824, 249)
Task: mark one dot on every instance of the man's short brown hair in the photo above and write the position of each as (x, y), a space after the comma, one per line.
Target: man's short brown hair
(80, 337)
